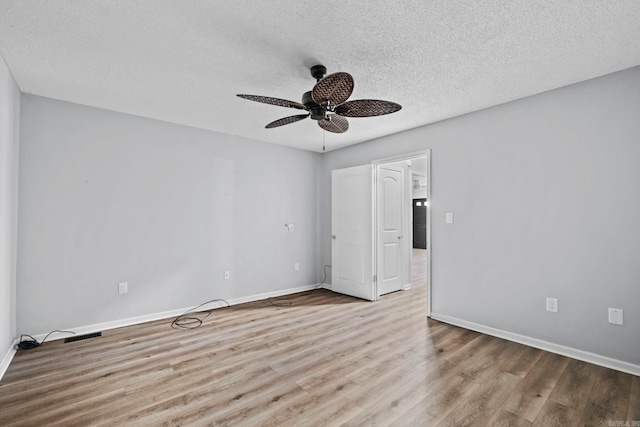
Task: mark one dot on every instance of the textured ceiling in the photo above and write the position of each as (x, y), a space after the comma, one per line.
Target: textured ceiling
(184, 61)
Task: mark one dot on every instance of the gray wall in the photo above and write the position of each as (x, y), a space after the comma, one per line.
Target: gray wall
(9, 126)
(546, 197)
(107, 197)
(545, 191)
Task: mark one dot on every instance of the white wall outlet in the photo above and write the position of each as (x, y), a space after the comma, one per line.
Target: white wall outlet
(616, 316)
(123, 287)
(227, 275)
(552, 305)
(296, 266)
(448, 217)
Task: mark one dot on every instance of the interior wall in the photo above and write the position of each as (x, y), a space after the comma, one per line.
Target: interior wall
(9, 131)
(107, 197)
(545, 193)
(419, 170)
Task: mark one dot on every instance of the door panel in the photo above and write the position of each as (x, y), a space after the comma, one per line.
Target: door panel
(391, 198)
(352, 264)
(390, 268)
(390, 186)
(351, 229)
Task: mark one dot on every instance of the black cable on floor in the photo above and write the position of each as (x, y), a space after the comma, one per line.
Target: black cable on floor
(191, 322)
(28, 344)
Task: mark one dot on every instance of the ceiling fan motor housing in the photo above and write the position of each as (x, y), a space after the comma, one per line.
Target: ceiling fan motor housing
(318, 112)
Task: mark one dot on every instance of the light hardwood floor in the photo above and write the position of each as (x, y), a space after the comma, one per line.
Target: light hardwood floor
(324, 360)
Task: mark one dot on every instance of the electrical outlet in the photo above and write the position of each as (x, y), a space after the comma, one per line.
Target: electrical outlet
(227, 275)
(296, 266)
(552, 305)
(449, 217)
(616, 316)
(123, 287)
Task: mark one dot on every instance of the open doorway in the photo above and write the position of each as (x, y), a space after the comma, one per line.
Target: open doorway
(372, 250)
(419, 199)
(402, 223)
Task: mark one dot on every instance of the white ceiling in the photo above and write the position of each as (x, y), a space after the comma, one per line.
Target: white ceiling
(184, 61)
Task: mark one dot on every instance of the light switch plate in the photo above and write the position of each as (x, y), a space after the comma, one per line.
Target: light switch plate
(616, 316)
(449, 217)
(123, 287)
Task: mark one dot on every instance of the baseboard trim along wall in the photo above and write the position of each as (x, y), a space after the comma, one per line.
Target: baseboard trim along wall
(574, 353)
(6, 360)
(88, 329)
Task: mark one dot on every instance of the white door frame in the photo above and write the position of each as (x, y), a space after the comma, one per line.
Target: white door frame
(377, 162)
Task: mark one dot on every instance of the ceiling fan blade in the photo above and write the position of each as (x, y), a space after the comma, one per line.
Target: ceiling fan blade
(274, 101)
(286, 121)
(367, 108)
(334, 123)
(334, 89)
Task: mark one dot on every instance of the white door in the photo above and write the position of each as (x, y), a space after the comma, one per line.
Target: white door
(352, 231)
(390, 228)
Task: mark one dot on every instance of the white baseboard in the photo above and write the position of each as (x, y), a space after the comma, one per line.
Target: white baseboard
(6, 360)
(88, 329)
(562, 350)
(274, 294)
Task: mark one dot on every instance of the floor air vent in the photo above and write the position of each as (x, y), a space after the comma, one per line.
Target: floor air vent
(83, 337)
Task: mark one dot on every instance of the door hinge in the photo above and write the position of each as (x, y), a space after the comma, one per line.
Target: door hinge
(375, 278)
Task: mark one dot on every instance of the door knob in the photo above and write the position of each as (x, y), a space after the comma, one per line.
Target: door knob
(333, 236)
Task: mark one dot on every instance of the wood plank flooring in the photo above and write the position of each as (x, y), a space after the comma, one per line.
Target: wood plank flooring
(316, 359)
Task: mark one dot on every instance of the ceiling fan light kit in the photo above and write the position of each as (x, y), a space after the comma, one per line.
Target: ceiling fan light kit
(327, 103)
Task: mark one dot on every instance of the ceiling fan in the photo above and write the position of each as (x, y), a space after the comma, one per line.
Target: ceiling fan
(327, 103)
